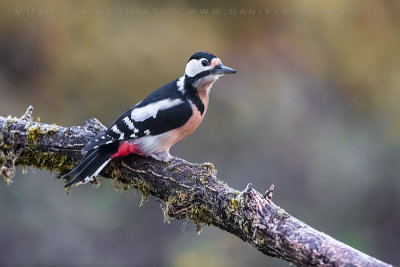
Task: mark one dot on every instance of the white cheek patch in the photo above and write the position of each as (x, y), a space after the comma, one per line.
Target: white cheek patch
(194, 67)
(151, 110)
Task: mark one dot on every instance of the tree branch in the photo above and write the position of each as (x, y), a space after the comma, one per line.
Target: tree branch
(188, 190)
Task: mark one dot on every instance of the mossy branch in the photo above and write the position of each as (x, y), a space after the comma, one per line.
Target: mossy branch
(188, 190)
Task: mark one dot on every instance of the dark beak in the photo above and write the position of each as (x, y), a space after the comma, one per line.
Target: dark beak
(221, 69)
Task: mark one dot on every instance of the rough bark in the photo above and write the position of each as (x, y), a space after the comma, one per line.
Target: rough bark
(188, 190)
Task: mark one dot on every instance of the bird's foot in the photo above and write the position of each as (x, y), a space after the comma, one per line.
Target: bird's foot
(175, 162)
(163, 156)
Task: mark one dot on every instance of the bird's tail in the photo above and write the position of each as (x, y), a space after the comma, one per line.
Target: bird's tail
(90, 166)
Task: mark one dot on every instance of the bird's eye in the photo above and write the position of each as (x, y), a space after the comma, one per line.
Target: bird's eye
(204, 62)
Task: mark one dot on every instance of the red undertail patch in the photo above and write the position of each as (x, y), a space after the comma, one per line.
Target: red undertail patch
(125, 149)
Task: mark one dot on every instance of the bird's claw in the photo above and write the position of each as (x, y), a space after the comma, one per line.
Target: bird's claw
(175, 163)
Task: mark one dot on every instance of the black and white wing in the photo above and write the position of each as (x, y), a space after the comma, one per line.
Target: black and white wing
(153, 116)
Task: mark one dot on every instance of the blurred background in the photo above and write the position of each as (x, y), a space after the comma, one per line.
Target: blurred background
(313, 109)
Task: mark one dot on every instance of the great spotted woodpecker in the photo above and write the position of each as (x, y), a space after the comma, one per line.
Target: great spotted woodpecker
(153, 125)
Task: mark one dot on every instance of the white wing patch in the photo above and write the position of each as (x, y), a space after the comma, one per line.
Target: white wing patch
(181, 84)
(130, 125)
(117, 131)
(151, 110)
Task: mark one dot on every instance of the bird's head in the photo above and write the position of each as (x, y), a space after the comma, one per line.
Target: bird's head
(204, 67)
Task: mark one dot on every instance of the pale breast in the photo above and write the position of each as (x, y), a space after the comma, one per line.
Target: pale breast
(186, 129)
(162, 142)
(204, 91)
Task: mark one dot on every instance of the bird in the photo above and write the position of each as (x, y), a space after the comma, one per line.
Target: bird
(156, 123)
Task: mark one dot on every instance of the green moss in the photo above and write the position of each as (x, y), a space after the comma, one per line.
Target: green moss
(199, 215)
(182, 196)
(205, 175)
(203, 179)
(209, 167)
(259, 240)
(232, 206)
(168, 204)
(139, 184)
(180, 200)
(120, 186)
(116, 174)
(52, 131)
(144, 188)
(36, 131)
(49, 161)
(33, 134)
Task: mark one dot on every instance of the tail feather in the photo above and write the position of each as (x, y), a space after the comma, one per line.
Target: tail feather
(88, 157)
(88, 168)
(85, 171)
(97, 142)
(92, 164)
